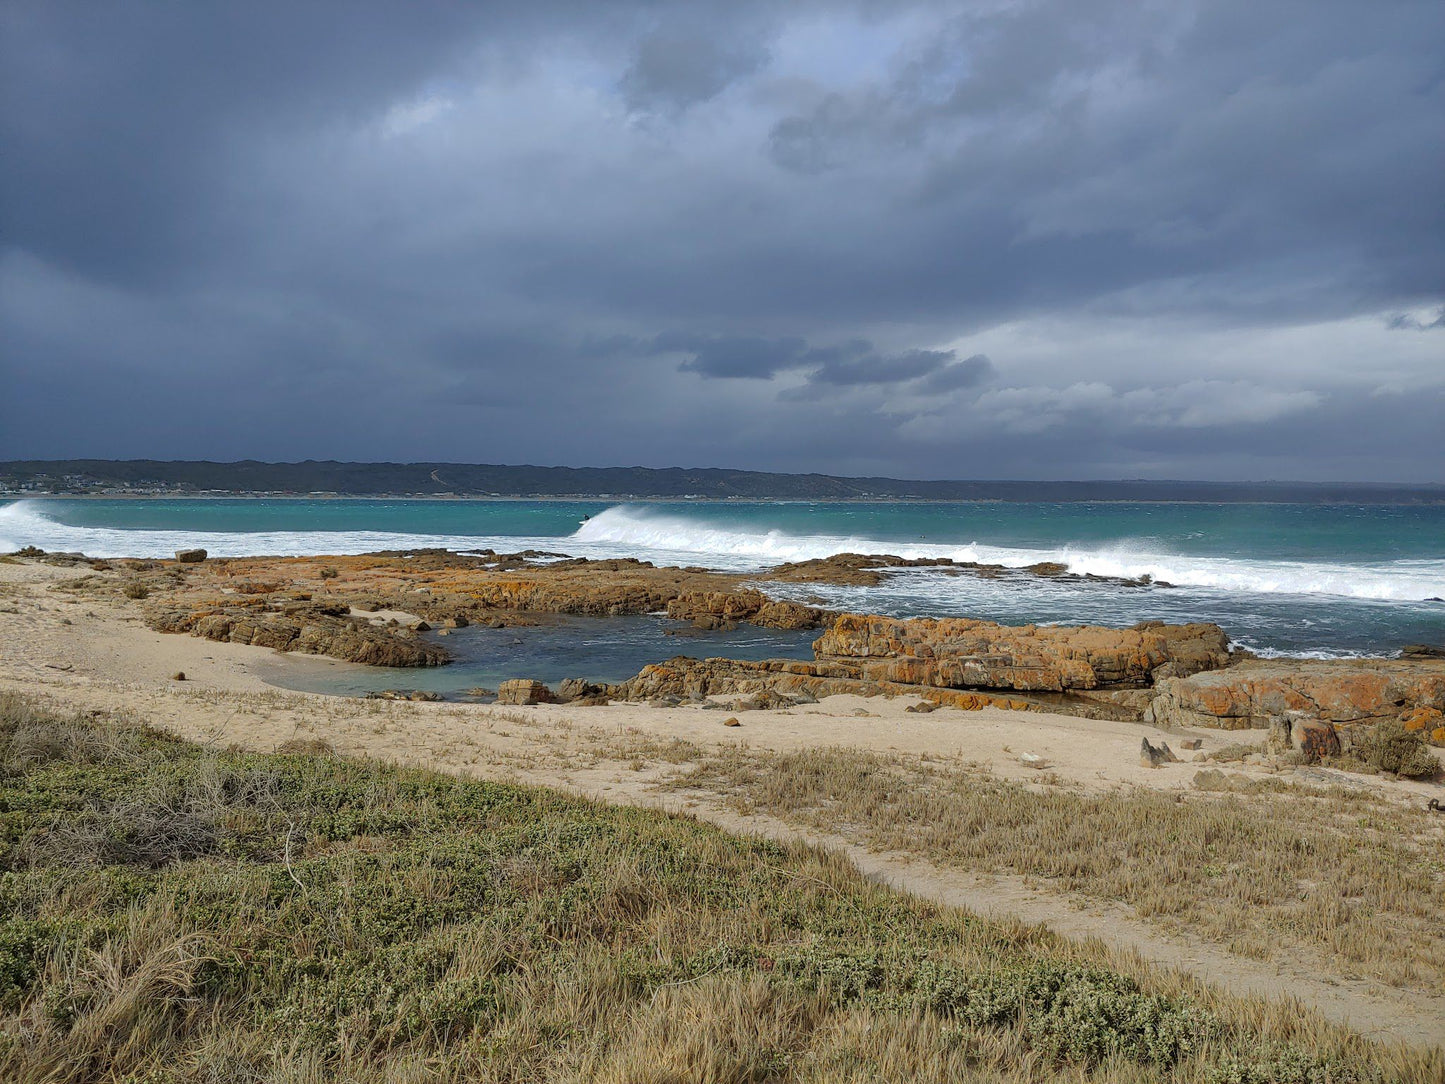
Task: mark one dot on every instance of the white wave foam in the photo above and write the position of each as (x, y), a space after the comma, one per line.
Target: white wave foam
(26, 524)
(627, 531)
(634, 532)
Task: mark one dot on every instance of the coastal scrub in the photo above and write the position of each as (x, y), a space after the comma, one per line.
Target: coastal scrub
(175, 913)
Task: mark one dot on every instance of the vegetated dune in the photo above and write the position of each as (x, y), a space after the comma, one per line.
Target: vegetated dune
(175, 913)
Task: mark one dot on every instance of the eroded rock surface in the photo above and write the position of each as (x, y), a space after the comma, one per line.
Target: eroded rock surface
(1251, 694)
(957, 653)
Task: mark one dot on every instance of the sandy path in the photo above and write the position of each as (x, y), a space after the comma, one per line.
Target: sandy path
(98, 656)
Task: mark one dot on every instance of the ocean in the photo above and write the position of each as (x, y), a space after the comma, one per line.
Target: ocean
(1325, 581)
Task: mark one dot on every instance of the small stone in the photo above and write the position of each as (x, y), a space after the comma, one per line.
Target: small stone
(422, 626)
(922, 708)
(191, 557)
(179, 675)
(1191, 743)
(731, 720)
(1211, 779)
(1201, 758)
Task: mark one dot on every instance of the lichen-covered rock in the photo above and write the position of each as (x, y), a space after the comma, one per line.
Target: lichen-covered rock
(684, 678)
(1341, 692)
(1314, 739)
(723, 609)
(958, 653)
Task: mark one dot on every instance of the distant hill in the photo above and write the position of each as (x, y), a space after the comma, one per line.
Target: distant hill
(179, 478)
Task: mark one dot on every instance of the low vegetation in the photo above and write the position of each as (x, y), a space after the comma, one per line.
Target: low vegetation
(174, 913)
(1266, 869)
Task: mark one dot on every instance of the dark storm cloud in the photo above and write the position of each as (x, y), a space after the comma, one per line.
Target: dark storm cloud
(968, 373)
(676, 70)
(874, 368)
(1149, 238)
(732, 357)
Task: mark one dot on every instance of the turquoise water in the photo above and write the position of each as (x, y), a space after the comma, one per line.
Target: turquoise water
(1323, 580)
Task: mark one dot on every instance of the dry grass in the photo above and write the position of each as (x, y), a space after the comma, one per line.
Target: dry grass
(1355, 876)
(349, 921)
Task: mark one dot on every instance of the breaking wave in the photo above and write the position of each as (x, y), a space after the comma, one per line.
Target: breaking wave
(669, 538)
(628, 531)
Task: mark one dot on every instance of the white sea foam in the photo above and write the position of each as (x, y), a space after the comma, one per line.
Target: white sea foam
(632, 531)
(627, 531)
(25, 523)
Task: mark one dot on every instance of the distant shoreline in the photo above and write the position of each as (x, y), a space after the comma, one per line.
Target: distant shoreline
(332, 480)
(629, 498)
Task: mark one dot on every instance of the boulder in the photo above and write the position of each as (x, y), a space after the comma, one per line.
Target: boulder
(524, 691)
(191, 557)
(1210, 779)
(1314, 739)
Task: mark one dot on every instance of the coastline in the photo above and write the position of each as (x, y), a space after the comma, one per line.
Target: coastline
(625, 498)
(96, 655)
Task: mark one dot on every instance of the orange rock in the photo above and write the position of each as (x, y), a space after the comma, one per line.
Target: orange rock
(1345, 691)
(961, 653)
(1423, 718)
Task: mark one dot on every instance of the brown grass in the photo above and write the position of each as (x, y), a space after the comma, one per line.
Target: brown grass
(1355, 876)
(350, 921)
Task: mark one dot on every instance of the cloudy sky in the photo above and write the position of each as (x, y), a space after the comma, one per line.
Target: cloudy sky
(980, 240)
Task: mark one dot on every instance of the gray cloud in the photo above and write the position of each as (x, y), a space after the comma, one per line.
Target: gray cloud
(1404, 321)
(732, 356)
(874, 368)
(600, 228)
(968, 373)
(671, 71)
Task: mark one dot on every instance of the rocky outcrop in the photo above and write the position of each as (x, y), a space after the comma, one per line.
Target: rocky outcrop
(869, 569)
(190, 557)
(786, 681)
(1345, 692)
(723, 609)
(964, 654)
(311, 630)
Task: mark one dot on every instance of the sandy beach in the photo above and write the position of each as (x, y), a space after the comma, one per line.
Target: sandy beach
(99, 657)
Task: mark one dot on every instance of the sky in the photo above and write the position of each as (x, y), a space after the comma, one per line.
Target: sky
(928, 240)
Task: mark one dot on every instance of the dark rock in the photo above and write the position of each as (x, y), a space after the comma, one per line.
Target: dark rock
(1423, 651)
(1152, 756)
(191, 557)
(1315, 739)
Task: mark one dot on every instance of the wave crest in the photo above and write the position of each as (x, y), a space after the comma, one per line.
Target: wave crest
(631, 531)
